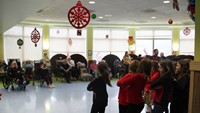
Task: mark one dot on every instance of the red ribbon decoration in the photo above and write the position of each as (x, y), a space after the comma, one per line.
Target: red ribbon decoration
(79, 16)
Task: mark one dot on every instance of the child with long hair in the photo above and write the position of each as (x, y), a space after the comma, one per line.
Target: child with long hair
(163, 87)
(149, 94)
(123, 104)
(136, 83)
(98, 86)
(180, 96)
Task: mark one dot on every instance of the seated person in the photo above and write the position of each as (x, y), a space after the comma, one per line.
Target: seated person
(73, 69)
(84, 74)
(65, 70)
(119, 68)
(15, 74)
(1, 69)
(28, 67)
(46, 75)
(3, 66)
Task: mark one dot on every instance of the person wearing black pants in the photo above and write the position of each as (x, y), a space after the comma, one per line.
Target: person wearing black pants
(135, 108)
(98, 86)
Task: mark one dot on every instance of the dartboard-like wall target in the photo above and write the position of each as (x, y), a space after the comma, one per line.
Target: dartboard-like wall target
(35, 36)
(79, 16)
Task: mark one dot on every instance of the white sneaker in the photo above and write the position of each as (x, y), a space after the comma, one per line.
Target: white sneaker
(9, 88)
(52, 86)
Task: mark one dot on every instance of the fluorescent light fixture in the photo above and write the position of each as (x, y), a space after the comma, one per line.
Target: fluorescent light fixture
(100, 17)
(91, 2)
(166, 1)
(108, 15)
(47, 20)
(153, 17)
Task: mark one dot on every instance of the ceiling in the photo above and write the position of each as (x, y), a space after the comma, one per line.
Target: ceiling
(124, 12)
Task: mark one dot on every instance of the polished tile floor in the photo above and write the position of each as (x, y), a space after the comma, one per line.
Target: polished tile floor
(65, 98)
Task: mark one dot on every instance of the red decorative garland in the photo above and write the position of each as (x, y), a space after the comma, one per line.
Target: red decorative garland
(79, 16)
(35, 36)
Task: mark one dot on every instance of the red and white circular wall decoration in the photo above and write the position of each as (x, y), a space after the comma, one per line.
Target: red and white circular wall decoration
(186, 31)
(35, 36)
(79, 16)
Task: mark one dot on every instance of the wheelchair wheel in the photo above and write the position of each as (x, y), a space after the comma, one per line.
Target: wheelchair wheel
(6, 82)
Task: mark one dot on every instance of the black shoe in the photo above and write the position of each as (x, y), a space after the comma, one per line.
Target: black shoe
(69, 82)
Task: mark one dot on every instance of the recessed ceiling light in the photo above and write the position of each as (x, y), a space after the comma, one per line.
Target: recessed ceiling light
(91, 2)
(108, 15)
(100, 17)
(153, 17)
(166, 1)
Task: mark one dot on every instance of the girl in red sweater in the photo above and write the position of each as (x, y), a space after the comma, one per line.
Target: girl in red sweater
(149, 94)
(123, 105)
(135, 83)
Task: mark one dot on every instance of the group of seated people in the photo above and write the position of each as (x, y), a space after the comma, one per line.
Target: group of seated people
(71, 71)
(22, 74)
(39, 70)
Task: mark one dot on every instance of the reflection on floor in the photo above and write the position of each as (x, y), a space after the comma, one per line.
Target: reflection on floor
(65, 98)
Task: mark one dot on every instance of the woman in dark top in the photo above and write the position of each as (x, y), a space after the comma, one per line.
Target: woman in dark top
(163, 87)
(98, 86)
(65, 69)
(15, 72)
(180, 95)
(45, 74)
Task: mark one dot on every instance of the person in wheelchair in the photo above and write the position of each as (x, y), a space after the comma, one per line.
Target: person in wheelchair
(3, 66)
(28, 68)
(16, 75)
(45, 74)
(119, 68)
(64, 68)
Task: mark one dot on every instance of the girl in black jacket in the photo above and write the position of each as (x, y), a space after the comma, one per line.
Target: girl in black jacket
(180, 95)
(98, 86)
(163, 87)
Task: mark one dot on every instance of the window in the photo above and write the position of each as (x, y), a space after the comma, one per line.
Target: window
(109, 41)
(66, 41)
(28, 50)
(147, 40)
(187, 43)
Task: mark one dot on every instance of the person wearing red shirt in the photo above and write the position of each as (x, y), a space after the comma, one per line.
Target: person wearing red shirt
(149, 94)
(123, 105)
(136, 83)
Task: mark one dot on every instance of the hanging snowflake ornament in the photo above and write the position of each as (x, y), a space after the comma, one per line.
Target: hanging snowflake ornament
(35, 36)
(79, 16)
